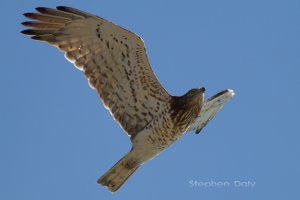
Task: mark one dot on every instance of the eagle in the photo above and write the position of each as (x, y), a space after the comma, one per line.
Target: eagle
(116, 65)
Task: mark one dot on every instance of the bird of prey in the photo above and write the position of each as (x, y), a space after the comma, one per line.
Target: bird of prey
(116, 65)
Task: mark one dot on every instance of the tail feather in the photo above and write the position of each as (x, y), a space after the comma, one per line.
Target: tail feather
(119, 173)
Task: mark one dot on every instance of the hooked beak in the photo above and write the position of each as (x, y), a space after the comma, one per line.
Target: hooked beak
(202, 89)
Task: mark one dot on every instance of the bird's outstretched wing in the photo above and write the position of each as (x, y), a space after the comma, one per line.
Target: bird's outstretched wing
(210, 108)
(113, 59)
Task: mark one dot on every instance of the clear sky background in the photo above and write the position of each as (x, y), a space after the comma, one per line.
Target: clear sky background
(56, 138)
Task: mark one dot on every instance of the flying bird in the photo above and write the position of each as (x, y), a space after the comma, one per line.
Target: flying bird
(116, 65)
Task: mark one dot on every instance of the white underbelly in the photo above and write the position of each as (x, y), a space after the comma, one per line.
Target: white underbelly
(150, 142)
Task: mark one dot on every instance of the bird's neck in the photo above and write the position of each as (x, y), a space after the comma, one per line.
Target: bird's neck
(183, 111)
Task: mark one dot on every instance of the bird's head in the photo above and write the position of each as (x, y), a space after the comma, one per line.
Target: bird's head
(191, 103)
(194, 96)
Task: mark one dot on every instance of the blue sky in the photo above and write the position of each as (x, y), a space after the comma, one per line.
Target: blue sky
(56, 138)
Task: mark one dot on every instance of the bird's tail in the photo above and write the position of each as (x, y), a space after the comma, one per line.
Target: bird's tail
(120, 172)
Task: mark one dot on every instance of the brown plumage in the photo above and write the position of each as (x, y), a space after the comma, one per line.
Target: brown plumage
(115, 62)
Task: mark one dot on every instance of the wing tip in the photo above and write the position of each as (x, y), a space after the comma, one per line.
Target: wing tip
(41, 9)
(231, 92)
(228, 94)
(26, 23)
(27, 31)
(62, 8)
(198, 130)
(29, 15)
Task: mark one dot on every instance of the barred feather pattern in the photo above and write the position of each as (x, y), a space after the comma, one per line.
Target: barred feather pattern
(113, 59)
